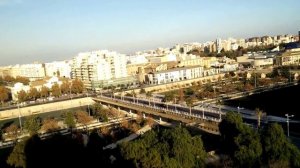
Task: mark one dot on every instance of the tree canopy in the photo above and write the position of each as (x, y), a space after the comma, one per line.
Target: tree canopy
(3, 94)
(32, 124)
(168, 148)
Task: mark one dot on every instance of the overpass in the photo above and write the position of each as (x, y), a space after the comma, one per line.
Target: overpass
(181, 115)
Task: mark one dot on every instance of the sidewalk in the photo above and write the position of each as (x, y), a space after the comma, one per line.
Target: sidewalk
(129, 138)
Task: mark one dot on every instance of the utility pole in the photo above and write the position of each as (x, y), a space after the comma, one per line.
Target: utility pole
(255, 80)
(239, 109)
(175, 105)
(287, 122)
(202, 110)
(87, 95)
(20, 122)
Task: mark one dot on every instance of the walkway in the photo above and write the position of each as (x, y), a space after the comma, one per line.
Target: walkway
(129, 138)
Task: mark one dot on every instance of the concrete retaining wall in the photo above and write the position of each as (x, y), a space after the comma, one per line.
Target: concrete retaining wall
(44, 108)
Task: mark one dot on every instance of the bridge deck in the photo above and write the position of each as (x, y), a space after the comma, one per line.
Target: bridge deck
(207, 126)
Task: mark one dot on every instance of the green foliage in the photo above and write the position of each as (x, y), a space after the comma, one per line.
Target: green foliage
(295, 155)
(275, 143)
(55, 90)
(33, 94)
(189, 91)
(70, 120)
(65, 88)
(142, 91)
(32, 125)
(230, 127)
(17, 158)
(99, 112)
(245, 146)
(22, 96)
(44, 92)
(23, 80)
(169, 148)
(3, 94)
(77, 86)
(249, 148)
(169, 96)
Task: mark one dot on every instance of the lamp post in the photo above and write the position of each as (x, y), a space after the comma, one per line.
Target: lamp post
(175, 105)
(202, 110)
(87, 95)
(239, 109)
(287, 122)
(20, 122)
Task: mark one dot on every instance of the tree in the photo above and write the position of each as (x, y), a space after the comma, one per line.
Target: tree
(55, 90)
(70, 120)
(77, 86)
(12, 132)
(150, 121)
(50, 125)
(9, 79)
(32, 124)
(149, 95)
(83, 118)
(181, 95)
(258, 113)
(33, 94)
(230, 127)
(3, 94)
(100, 113)
(275, 143)
(17, 157)
(249, 148)
(44, 92)
(22, 96)
(142, 91)
(23, 80)
(169, 96)
(169, 148)
(189, 102)
(65, 87)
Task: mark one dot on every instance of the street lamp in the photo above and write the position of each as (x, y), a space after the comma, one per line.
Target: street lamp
(87, 95)
(287, 122)
(202, 110)
(20, 122)
(239, 108)
(175, 105)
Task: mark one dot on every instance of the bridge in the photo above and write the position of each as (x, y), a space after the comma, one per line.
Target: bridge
(205, 121)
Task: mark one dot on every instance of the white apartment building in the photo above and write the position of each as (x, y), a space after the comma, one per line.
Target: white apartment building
(31, 71)
(178, 74)
(219, 45)
(58, 68)
(136, 59)
(98, 66)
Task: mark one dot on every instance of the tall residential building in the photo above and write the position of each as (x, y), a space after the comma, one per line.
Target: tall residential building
(96, 66)
(219, 45)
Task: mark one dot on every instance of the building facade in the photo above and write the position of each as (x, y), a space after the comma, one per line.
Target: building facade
(92, 67)
(179, 74)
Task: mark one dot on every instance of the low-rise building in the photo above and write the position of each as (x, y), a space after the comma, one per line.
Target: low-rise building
(290, 57)
(179, 74)
(58, 68)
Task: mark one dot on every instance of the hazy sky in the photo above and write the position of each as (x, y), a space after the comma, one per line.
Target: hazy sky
(48, 30)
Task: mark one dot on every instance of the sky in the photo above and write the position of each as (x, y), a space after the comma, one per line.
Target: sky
(49, 30)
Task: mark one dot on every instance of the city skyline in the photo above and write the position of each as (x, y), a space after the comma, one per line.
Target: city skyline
(58, 30)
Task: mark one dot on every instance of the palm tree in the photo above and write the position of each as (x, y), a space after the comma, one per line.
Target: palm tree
(258, 113)
(219, 103)
(190, 102)
(148, 95)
